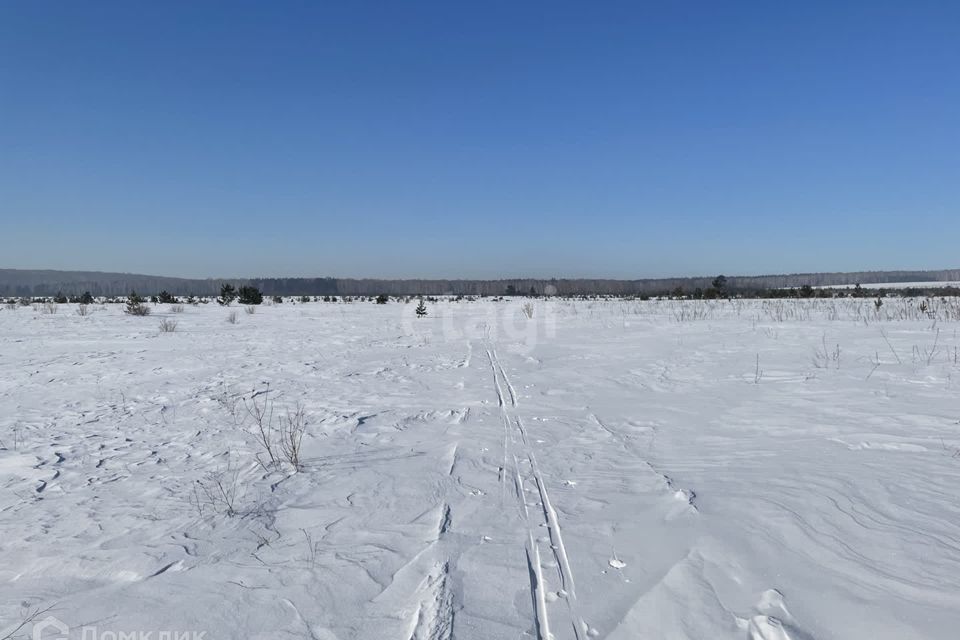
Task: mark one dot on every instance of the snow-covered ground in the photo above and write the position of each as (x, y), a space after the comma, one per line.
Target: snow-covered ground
(663, 470)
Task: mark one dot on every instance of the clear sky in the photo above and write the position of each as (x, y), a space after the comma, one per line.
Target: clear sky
(479, 139)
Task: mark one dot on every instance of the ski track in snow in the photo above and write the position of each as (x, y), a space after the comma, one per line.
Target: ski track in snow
(550, 520)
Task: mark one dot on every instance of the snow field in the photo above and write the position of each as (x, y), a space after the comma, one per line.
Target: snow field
(605, 469)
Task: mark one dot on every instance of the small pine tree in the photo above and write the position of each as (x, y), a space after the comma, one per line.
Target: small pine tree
(383, 299)
(86, 298)
(227, 295)
(135, 305)
(164, 297)
(421, 309)
(250, 295)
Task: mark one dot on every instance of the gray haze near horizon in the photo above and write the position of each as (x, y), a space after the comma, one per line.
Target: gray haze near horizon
(404, 269)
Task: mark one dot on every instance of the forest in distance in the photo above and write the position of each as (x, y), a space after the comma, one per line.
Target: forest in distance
(40, 283)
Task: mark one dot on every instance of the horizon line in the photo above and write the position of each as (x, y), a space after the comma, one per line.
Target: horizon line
(481, 279)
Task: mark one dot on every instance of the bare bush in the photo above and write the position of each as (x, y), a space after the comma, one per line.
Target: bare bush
(168, 325)
(892, 350)
(217, 493)
(28, 615)
(313, 548)
(684, 311)
(825, 358)
(262, 413)
(17, 439)
(527, 309)
(176, 308)
(229, 401)
(953, 452)
(232, 317)
(10, 306)
(292, 428)
(876, 364)
(250, 310)
(925, 353)
(83, 310)
(49, 308)
(137, 310)
(280, 441)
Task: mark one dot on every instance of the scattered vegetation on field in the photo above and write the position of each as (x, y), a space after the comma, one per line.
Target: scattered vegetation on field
(280, 438)
(227, 295)
(248, 296)
(136, 306)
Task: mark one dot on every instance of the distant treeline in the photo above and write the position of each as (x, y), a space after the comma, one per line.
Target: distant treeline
(26, 283)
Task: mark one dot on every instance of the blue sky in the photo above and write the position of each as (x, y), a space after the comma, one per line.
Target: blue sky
(479, 139)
